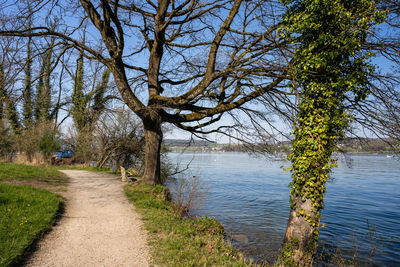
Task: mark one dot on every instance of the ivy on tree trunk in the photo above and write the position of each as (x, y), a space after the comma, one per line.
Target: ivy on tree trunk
(43, 89)
(87, 108)
(329, 67)
(27, 93)
(2, 93)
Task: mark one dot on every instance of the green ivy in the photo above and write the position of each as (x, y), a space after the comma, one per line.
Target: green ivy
(330, 66)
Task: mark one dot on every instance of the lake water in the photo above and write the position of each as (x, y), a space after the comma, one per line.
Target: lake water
(250, 197)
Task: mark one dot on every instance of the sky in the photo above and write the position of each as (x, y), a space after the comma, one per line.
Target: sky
(176, 133)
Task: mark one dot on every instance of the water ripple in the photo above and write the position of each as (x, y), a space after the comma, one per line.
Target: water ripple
(250, 197)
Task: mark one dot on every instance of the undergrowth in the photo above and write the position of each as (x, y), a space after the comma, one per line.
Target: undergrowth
(177, 240)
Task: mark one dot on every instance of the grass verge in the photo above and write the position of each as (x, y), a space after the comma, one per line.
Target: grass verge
(50, 175)
(178, 241)
(25, 214)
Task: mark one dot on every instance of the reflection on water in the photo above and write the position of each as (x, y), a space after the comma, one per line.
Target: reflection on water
(250, 197)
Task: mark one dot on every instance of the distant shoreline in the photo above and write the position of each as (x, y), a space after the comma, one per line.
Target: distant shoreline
(347, 146)
(205, 150)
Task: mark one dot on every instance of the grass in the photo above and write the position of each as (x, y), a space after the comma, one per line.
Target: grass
(179, 241)
(26, 212)
(50, 175)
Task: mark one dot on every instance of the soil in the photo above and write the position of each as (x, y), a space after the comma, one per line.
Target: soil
(99, 227)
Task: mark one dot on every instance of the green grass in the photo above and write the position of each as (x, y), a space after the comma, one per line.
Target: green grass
(177, 241)
(12, 171)
(25, 214)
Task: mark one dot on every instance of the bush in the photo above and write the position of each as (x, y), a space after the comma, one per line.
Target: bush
(48, 144)
(119, 138)
(39, 138)
(179, 241)
(7, 143)
(188, 192)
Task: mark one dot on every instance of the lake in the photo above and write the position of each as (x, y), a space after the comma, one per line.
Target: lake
(250, 197)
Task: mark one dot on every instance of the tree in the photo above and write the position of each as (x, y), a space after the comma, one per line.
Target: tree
(186, 63)
(7, 143)
(2, 93)
(27, 93)
(43, 106)
(380, 115)
(8, 109)
(87, 108)
(119, 138)
(49, 141)
(23, 110)
(8, 104)
(330, 70)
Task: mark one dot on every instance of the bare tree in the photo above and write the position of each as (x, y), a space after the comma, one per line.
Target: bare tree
(186, 63)
(9, 72)
(119, 138)
(380, 113)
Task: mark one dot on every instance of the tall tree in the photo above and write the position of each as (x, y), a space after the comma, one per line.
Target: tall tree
(187, 63)
(43, 89)
(87, 108)
(8, 108)
(27, 92)
(330, 69)
(2, 92)
(78, 97)
(9, 72)
(12, 114)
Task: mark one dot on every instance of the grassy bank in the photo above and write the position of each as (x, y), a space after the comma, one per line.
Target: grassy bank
(177, 241)
(30, 173)
(25, 212)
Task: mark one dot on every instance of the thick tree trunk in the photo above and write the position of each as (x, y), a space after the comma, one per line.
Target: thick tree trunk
(300, 240)
(153, 137)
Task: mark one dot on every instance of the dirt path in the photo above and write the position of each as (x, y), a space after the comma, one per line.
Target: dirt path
(98, 228)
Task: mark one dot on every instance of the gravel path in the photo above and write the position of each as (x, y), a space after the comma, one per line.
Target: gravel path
(98, 228)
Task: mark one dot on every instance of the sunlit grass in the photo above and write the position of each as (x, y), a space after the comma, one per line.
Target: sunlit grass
(178, 241)
(12, 171)
(25, 214)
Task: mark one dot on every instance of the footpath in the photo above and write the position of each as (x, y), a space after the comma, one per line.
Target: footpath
(98, 228)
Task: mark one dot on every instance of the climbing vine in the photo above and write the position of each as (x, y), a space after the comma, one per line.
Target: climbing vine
(330, 66)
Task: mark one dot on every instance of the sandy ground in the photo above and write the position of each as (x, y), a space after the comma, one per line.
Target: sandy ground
(99, 227)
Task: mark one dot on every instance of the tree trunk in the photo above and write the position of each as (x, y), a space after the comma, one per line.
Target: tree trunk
(300, 241)
(153, 138)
